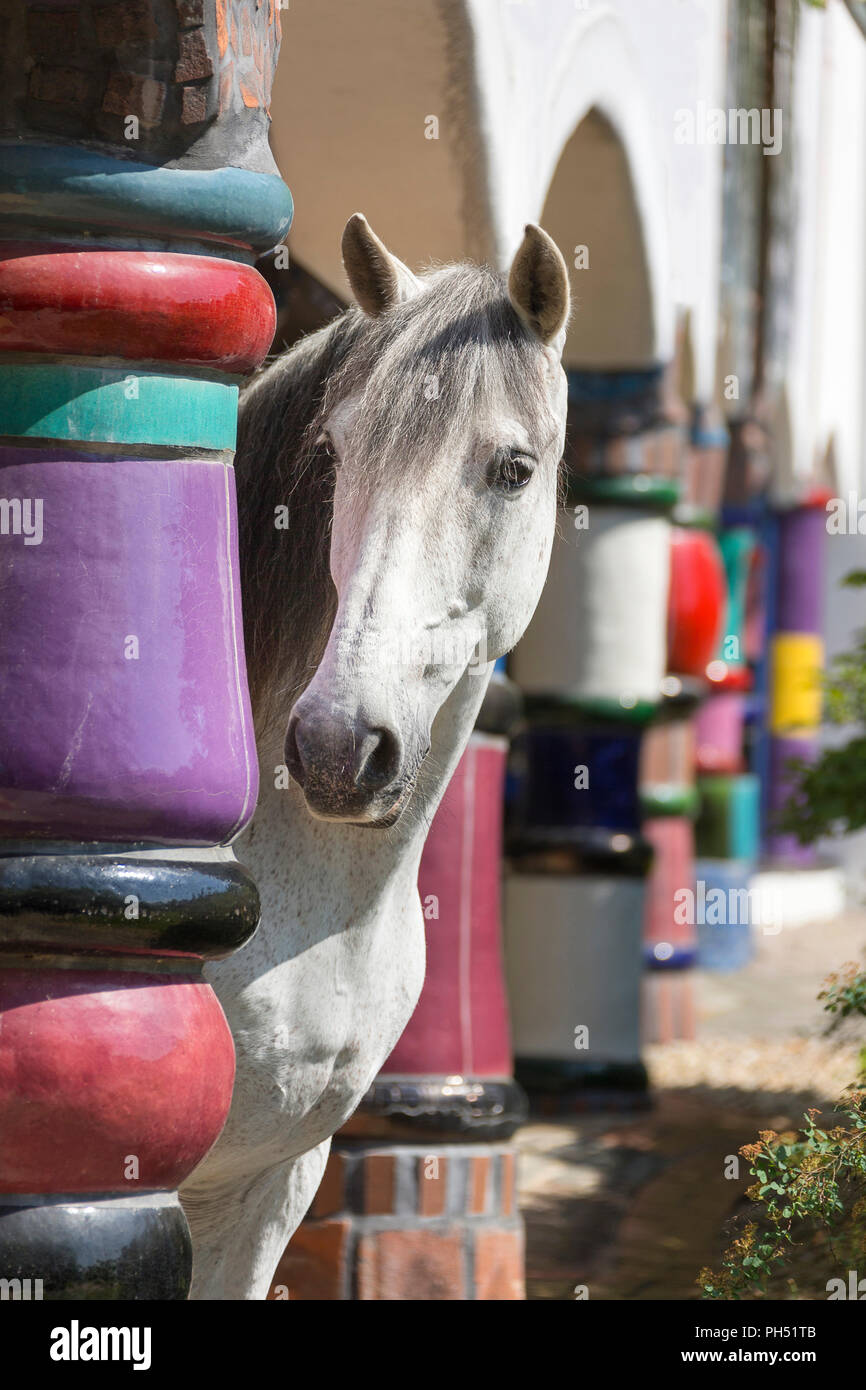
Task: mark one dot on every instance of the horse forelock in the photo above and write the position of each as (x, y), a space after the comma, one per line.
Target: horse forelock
(431, 368)
(424, 373)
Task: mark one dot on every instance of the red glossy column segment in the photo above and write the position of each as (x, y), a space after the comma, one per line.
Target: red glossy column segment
(137, 305)
(668, 935)
(696, 600)
(100, 1067)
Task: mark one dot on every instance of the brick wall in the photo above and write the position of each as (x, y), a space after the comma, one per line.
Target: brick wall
(409, 1222)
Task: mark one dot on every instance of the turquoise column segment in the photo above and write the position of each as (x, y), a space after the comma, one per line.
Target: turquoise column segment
(62, 184)
(116, 405)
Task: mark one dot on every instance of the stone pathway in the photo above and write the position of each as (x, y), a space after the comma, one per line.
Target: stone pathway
(632, 1206)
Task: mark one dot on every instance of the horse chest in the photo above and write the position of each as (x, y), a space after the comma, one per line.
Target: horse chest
(313, 1028)
(370, 982)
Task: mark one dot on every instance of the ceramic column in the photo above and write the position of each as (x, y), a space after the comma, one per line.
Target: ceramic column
(136, 188)
(669, 795)
(728, 825)
(796, 662)
(591, 667)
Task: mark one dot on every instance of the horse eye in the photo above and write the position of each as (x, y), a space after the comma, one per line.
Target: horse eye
(512, 471)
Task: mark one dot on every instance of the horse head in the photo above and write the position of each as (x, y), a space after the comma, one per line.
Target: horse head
(444, 423)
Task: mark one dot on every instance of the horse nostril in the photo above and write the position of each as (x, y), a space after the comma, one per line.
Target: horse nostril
(294, 761)
(382, 755)
(339, 761)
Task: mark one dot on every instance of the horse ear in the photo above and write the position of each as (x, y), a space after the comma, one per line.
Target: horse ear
(538, 284)
(377, 278)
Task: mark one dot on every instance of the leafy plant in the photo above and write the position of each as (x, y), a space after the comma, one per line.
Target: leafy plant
(808, 1185)
(844, 993)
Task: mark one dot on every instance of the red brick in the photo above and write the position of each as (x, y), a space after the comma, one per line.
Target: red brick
(411, 1265)
(130, 22)
(194, 61)
(431, 1190)
(509, 1175)
(329, 1197)
(478, 1180)
(131, 94)
(193, 106)
(50, 32)
(499, 1266)
(190, 13)
(378, 1184)
(313, 1265)
(61, 86)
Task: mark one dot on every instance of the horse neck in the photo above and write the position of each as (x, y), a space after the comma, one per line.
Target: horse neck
(450, 734)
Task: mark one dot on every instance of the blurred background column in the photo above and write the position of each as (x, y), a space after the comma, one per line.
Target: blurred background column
(796, 663)
(669, 793)
(592, 666)
(728, 825)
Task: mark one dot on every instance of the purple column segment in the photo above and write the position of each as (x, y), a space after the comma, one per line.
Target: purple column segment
(799, 609)
(800, 586)
(125, 708)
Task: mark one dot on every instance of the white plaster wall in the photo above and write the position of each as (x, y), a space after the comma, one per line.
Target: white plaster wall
(355, 86)
(838, 344)
(827, 367)
(510, 81)
(545, 63)
(355, 83)
(825, 377)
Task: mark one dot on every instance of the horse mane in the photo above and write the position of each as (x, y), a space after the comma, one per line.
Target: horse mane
(288, 595)
(425, 368)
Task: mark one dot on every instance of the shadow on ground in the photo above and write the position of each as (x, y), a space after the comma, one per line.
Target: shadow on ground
(631, 1207)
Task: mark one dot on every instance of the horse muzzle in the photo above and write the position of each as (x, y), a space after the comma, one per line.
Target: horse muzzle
(348, 768)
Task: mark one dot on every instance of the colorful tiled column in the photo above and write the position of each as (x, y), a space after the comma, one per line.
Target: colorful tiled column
(706, 462)
(419, 1195)
(728, 844)
(669, 795)
(136, 187)
(728, 824)
(796, 663)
